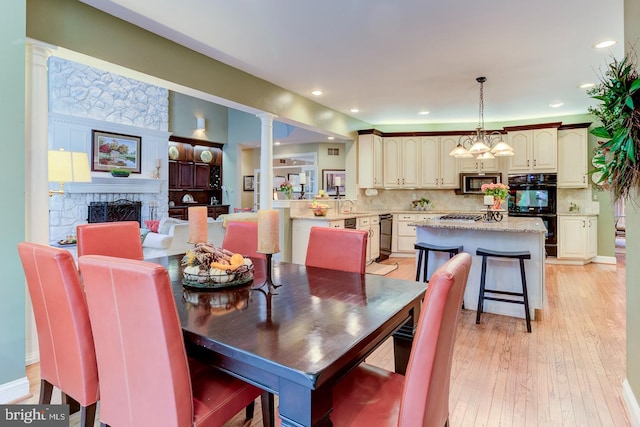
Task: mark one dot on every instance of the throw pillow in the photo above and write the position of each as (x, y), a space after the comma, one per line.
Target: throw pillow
(153, 225)
(166, 223)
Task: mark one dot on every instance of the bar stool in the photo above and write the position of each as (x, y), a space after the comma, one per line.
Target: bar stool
(423, 250)
(519, 255)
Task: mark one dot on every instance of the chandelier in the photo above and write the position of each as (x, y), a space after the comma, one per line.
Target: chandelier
(481, 145)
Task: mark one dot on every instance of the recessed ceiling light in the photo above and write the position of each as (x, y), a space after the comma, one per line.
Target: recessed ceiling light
(331, 138)
(604, 43)
(556, 104)
(277, 143)
(316, 92)
(423, 113)
(586, 85)
(354, 110)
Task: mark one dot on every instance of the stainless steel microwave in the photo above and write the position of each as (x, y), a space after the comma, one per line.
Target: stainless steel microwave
(471, 183)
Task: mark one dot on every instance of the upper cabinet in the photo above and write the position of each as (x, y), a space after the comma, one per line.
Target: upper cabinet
(572, 156)
(195, 167)
(370, 167)
(401, 162)
(438, 168)
(535, 149)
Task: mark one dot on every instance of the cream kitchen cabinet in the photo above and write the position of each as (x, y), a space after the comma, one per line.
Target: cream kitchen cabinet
(401, 162)
(370, 164)
(437, 168)
(572, 158)
(536, 150)
(479, 166)
(371, 224)
(577, 237)
(300, 229)
(403, 237)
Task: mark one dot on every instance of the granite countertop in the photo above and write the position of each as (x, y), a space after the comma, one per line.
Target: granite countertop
(509, 224)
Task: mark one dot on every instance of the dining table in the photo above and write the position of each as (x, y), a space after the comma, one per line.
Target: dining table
(298, 339)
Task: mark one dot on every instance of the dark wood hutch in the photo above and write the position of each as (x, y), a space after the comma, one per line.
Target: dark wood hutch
(195, 176)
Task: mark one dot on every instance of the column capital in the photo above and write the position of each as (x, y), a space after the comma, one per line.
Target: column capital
(266, 117)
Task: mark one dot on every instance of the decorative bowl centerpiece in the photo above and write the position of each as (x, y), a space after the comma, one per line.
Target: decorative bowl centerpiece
(120, 173)
(319, 209)
(206, 266)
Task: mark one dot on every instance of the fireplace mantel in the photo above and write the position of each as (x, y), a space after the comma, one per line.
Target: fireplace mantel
(116, 185)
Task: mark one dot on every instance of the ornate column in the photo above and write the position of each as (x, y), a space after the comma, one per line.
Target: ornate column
(266, 160)
(37, 145)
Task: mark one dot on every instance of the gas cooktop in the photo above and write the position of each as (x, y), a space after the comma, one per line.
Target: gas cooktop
(461, 217)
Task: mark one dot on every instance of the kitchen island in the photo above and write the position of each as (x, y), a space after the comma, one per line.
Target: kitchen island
(510, 234)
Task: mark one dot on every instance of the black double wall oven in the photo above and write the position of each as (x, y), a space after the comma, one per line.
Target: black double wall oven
(535, 195)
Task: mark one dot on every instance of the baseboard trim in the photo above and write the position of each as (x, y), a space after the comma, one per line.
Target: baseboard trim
(14, 390)
(604, 260)
(630, 402)
(31, 358)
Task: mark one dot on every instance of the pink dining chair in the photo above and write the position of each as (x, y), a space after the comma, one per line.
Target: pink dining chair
(337, 249)
(370, 396)
(242, 237)
(67, 355)
(119, 239)
(146, 378)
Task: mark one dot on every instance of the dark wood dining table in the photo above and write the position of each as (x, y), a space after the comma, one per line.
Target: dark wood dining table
(299, 340)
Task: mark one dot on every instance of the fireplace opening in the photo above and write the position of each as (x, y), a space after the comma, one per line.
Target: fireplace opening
(119, 210)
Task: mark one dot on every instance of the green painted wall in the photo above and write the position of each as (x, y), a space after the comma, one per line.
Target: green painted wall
(632, 212)
(12, 226)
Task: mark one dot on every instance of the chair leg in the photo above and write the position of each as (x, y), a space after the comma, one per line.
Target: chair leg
(525, 295)
(268, 409)
(249, 410)
(88, 415)
(74, 406)
(425, 278)
(420, 252)
(46, 389)
(483, 276)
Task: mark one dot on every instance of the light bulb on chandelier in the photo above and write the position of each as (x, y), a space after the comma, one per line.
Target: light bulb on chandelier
(481, 145)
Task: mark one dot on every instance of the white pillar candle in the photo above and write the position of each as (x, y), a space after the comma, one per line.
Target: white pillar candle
(268, 231)
(488, 200)
(337, 181)
(303, 178)
(198, 232)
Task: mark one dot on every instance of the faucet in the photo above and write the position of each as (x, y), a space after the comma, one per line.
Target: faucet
(342, 209)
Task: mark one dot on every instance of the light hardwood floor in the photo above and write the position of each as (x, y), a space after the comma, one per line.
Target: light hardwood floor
(567, 372)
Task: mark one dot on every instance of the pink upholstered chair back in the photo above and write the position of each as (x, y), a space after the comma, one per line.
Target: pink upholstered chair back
(337, 249)
(425, 399)
(119, 239)
(67, 355)
(144, 375)
(242, 237)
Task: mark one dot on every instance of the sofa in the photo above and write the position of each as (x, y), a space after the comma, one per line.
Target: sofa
(172, 236)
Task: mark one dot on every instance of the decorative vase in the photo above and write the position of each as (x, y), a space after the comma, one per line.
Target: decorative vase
(497, 203)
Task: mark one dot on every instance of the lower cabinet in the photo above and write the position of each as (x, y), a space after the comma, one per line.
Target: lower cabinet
(371, 224)
(300, 230)
(577, 237)
(403, 238)
(182, 212)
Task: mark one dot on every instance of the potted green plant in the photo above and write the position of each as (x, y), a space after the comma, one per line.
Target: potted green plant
(120, 173)
(617, 159)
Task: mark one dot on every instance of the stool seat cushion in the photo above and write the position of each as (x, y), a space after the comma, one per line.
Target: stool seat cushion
(423, 245)
(503, 254)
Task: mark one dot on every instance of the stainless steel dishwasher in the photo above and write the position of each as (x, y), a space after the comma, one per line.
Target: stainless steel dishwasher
(386, 227)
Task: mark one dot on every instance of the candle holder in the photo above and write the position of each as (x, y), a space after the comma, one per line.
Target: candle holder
(302, 191)
(271, 287)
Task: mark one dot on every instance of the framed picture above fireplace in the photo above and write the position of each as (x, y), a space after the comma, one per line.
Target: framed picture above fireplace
(111, 150)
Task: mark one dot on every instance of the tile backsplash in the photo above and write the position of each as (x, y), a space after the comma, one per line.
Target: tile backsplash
(441, 200)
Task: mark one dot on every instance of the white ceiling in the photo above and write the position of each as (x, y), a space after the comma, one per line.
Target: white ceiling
(392, 59)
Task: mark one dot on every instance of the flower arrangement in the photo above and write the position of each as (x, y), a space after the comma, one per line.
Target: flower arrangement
(287, 188)
(498, 190)
(421, 204)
